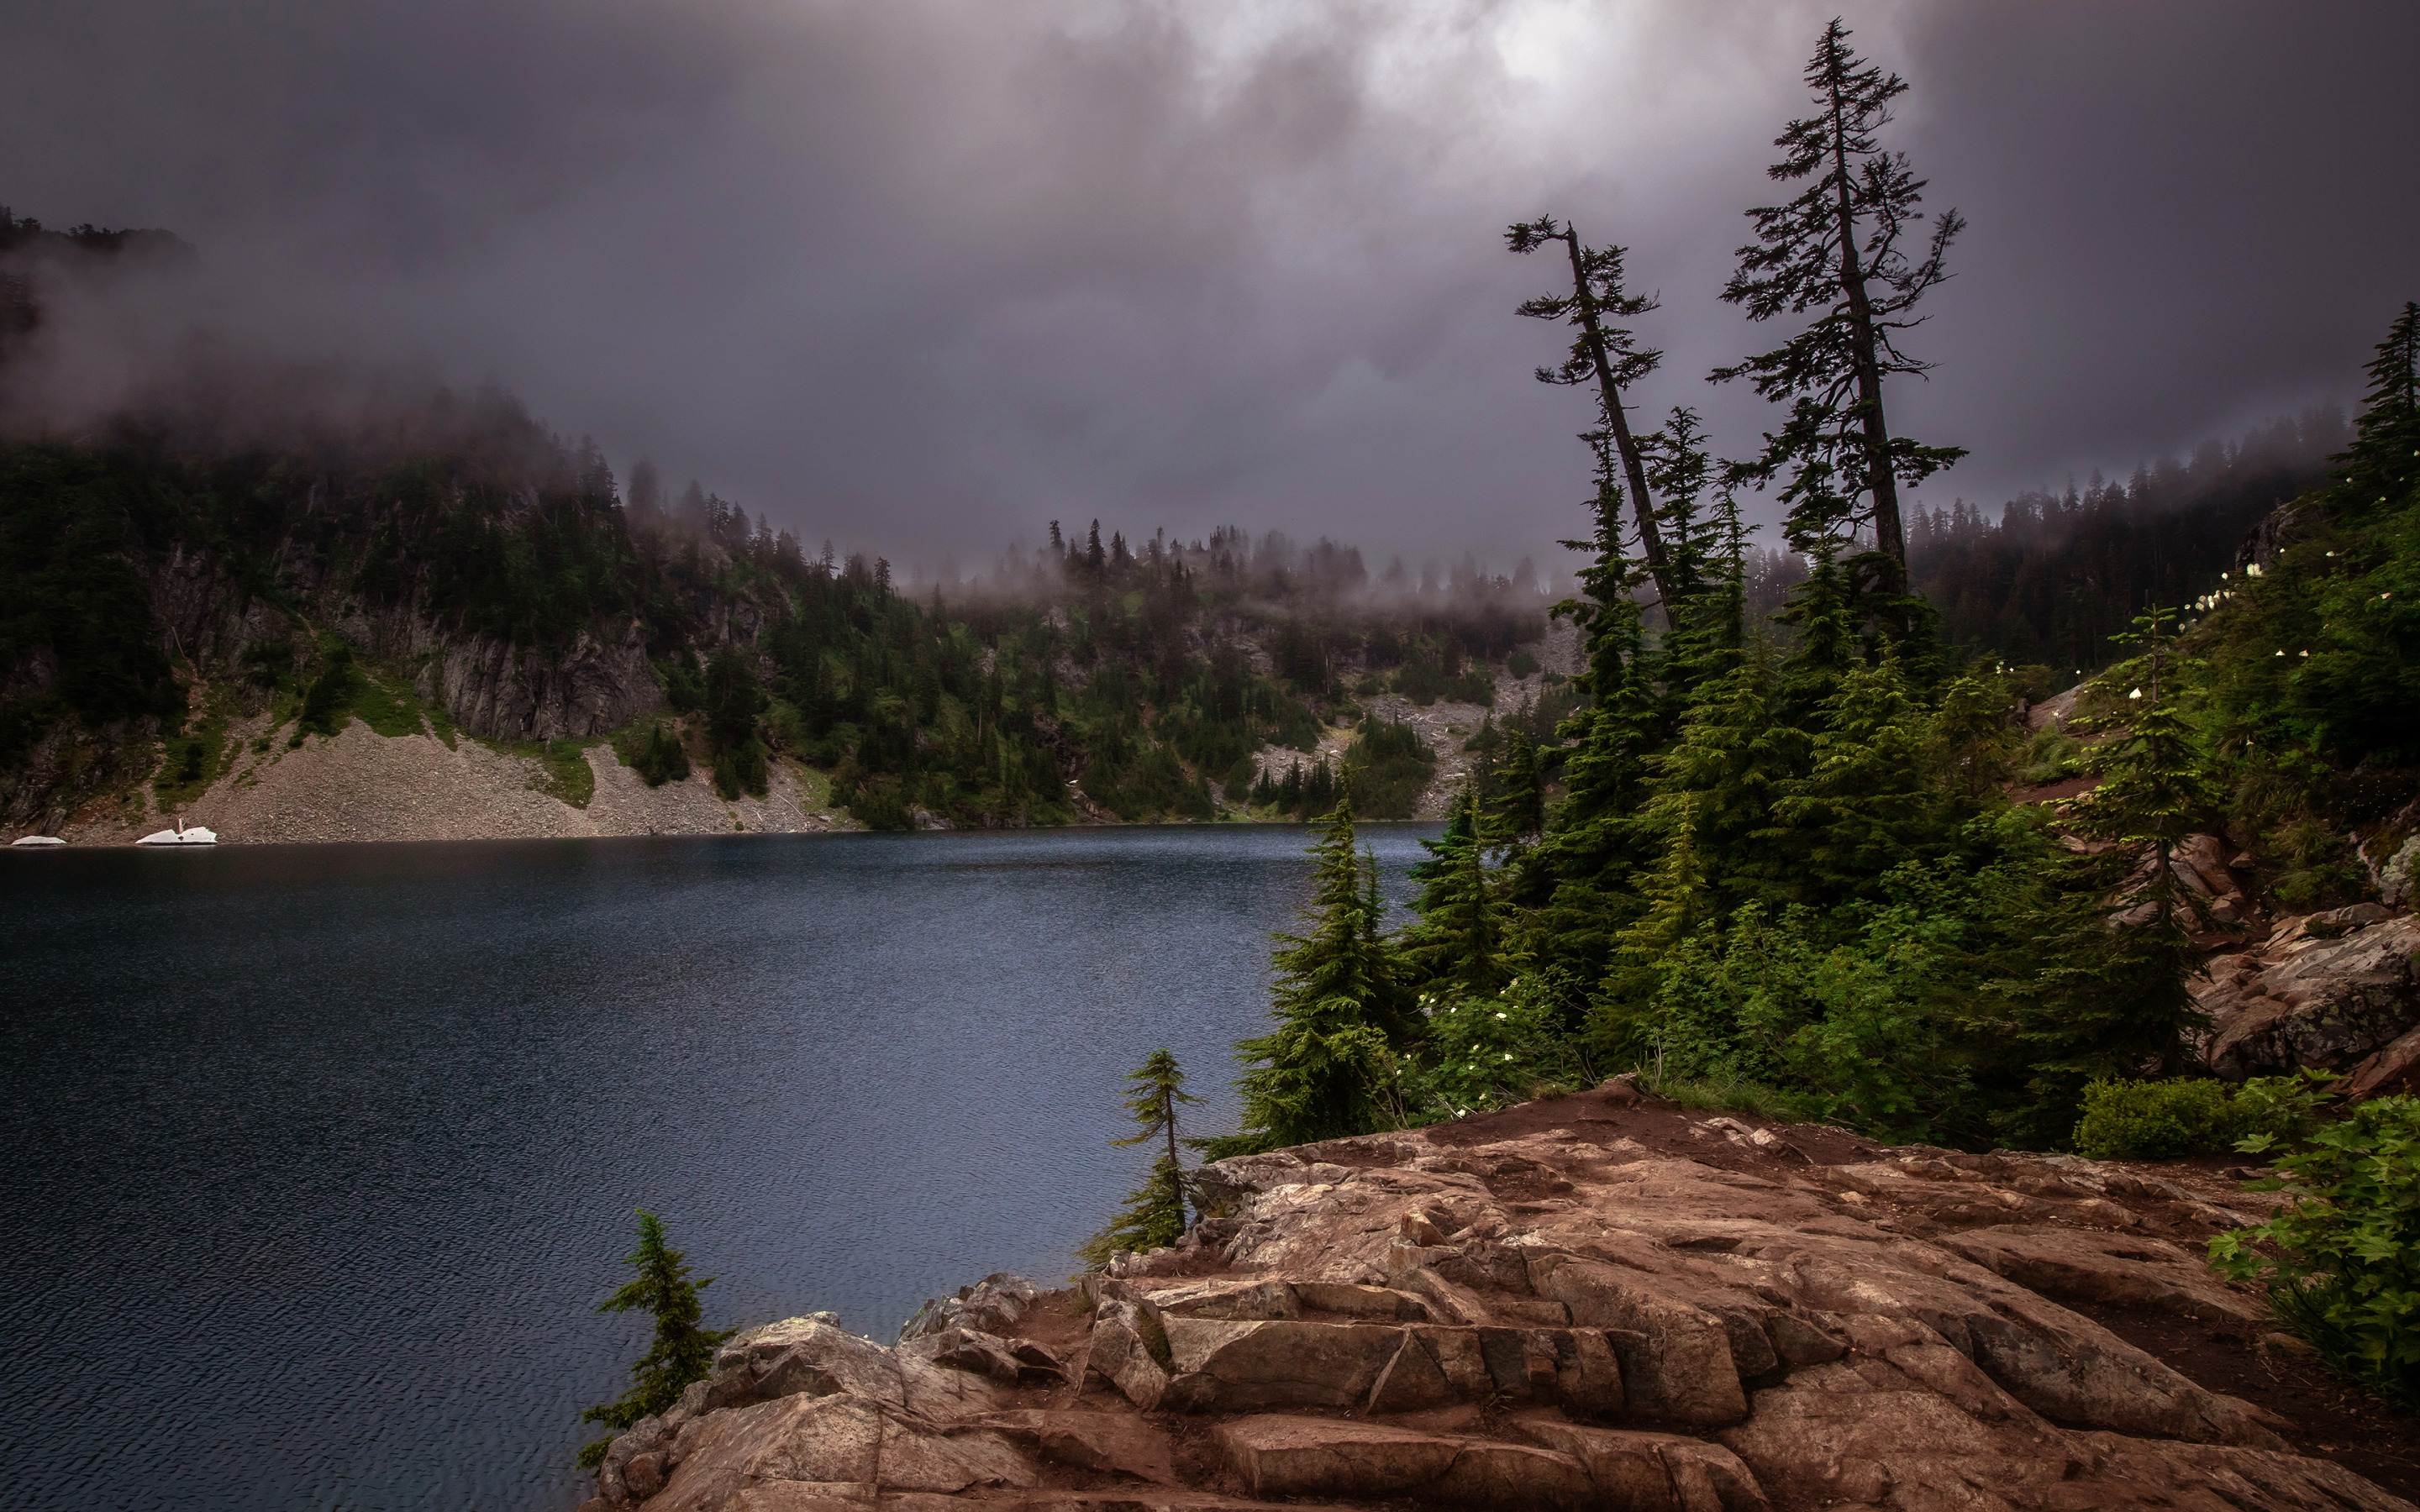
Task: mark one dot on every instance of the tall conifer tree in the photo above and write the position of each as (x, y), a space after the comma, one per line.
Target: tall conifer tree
(2384, 458)
(1459, 943)
(1607, 354)
(1835, 249)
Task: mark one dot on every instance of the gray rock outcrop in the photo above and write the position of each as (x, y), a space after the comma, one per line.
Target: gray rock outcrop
(2326, 991)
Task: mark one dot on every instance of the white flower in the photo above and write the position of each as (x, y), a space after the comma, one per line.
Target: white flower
(1499, 1015)
(2252, 571)
(2137, 693)
(1508, 1055)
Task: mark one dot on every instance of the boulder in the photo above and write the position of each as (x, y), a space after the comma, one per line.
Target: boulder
(815, 1357)
(995, 1304)
(1112, 1442)
(2392, 1070)
(2326, 998)
(1223, 1365)
(1676, 1358)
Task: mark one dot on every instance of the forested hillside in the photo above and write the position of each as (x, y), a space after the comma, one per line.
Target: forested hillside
(455, 558)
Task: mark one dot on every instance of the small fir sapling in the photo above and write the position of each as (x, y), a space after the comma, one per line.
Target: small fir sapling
(682, 1350)
(1154, 1214)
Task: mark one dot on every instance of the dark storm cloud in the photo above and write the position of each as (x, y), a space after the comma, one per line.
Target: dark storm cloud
(923, 275)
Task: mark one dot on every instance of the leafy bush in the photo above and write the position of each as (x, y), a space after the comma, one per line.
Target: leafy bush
(2161, 1120)
(2342, 1258)
(2156, 1120)
(1521, 664)
(1485, 1052)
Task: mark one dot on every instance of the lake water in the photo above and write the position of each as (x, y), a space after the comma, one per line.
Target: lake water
(318, 1158)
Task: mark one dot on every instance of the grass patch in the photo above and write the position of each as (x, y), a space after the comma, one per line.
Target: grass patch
(563, 769)
(815, 788)
(1723, 1094)
(192, 762)
(387, 711)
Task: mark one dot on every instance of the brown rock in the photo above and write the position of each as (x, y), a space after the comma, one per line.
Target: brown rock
(1385, 1304)
(1114, 1443)
(1655, 1471)
(1218, 1365)
(2393, 1070)
(1324, 1457)
(644, 1476)
(2306, 1000)
(1676, 1357)
(2129, 1271)
(1129, 1354)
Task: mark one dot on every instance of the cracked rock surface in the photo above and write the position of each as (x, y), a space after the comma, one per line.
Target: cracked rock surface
(1574, 1305)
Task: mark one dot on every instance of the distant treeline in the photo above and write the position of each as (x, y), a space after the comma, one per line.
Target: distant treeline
(2057, 575)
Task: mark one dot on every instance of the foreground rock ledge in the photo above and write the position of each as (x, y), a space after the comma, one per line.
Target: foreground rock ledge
(1558, 1317)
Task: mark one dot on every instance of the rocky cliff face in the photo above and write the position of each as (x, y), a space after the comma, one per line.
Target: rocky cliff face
(599, 681)
(1575, 1305)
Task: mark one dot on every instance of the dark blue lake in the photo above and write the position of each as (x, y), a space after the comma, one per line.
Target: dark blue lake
(318, 1158)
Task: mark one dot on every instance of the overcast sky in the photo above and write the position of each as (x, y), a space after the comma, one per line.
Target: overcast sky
(921, 276)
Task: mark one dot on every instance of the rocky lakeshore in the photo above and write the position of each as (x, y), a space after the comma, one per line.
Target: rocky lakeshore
(1591, 1302)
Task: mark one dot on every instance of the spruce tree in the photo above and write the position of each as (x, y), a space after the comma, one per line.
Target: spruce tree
(1835, 251)
(2105, 996)
(1519, 811)
(1715, 786)
(1154, 1213)
(682, 1350)
(1459, 946)
(2154, 789)
(1324, 1070)
(1706, 630)
(1606, 354)
(2383, 461)
(1865, 803)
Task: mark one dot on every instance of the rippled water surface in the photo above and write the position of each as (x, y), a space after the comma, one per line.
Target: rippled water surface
(319, 1157)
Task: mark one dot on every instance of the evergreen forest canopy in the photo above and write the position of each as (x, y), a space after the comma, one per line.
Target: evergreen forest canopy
(1793, 868)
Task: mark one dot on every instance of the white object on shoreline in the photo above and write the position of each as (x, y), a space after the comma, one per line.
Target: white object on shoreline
(38, 841)
(180, 836)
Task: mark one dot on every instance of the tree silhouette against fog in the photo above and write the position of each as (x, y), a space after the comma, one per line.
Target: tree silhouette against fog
(1837, 250)
(1607, 355)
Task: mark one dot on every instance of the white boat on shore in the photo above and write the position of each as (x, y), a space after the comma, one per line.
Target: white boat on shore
(180, 836)
(35, 841)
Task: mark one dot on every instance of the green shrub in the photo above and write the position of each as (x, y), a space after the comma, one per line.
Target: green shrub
(330, 701)
(2342, 1258)
(2159, 1120)
(661, 758)
(1521, 664)
(2156, 1120)
(1484, 1052)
